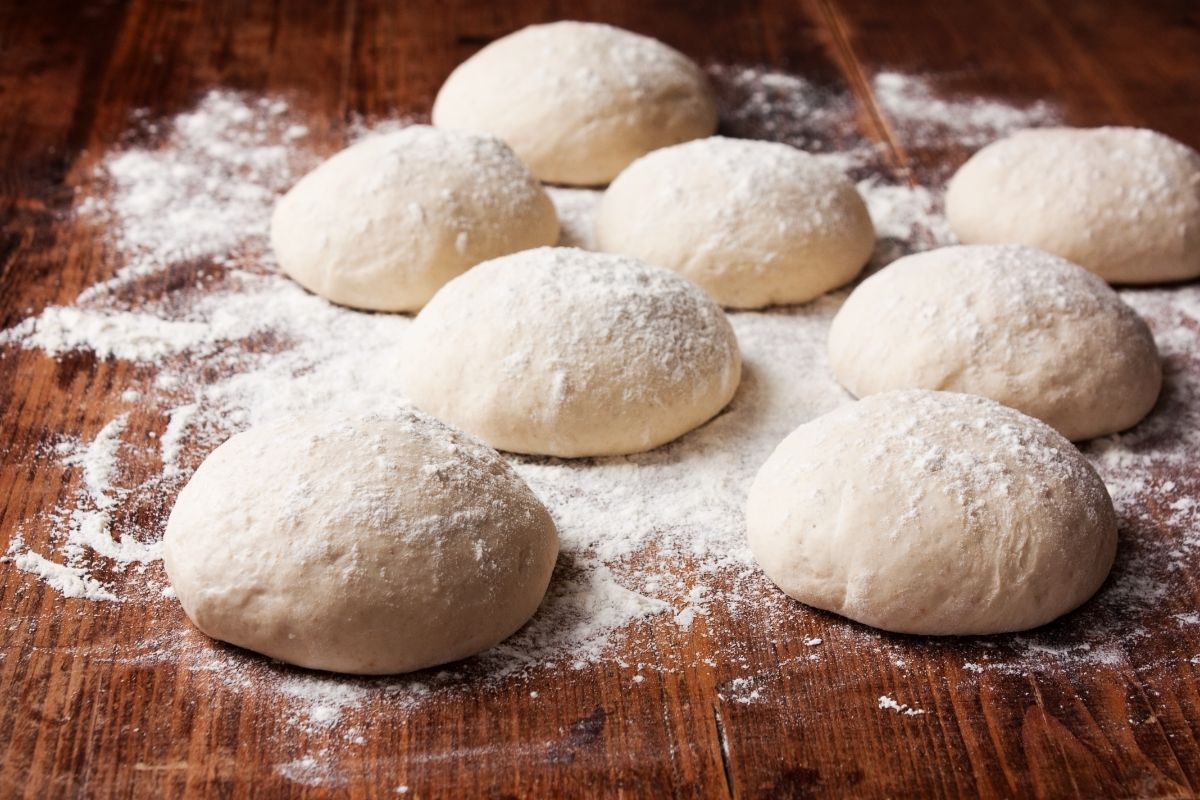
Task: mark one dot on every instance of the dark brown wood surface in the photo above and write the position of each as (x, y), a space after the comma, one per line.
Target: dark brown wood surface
(77, 722)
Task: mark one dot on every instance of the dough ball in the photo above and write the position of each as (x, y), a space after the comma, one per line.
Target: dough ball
(569, 353)
(1122, 202)
(578, 101)
(1007, 322)
(366, 545)
(384, 223)
(754, 223)
(932, 513)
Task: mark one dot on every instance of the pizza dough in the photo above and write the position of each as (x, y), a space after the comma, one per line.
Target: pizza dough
(565, 352)
(932, 513)
(383, 224)
(367, 545)
(1007, 322)
(578, 101)
(1122, 202)
(754, 223)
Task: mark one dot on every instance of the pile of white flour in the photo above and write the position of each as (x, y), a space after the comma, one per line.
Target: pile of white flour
(651, 542)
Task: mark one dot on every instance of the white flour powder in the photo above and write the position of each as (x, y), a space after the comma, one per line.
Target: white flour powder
(654, 537)
(891, 704)
(923, 119)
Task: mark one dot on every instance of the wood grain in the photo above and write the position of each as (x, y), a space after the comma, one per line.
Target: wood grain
(80, 722)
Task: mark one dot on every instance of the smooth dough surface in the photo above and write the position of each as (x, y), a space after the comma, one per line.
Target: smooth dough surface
(367, 545)
(754, 223)
(565, 352)
(384, 223)
(1008, 322)
(1122, 202)
(932, 513)
(578, 101)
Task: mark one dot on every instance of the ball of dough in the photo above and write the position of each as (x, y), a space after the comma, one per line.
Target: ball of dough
(565, 352)
(578, 101)
(932, 513)
(754, 223)
(1007, 322)
(1122, 202)
(368, 545)
(384, 223)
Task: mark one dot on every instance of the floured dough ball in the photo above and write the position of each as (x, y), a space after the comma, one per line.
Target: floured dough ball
(1007, 322)
(564, 352)
(384, 223)
(368, 545)
(578, 101)
(754, 223)
(932, 513)
(1122, 202)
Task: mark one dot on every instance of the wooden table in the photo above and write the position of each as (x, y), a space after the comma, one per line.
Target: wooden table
(77, 722)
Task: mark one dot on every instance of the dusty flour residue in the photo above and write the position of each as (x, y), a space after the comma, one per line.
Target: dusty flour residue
(656, 536)
(891, 704)
(924, 119)
(66, 580)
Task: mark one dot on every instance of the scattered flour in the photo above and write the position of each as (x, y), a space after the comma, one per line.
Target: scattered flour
(109, 334)
(67, 581)
(912, 106)
(905, 213)
(99, 462)
(199, 195)
(889, 704)
(815, 118)
(172, 439)
(743, 691)
(319, 699)
(652, 537)
(310, 770)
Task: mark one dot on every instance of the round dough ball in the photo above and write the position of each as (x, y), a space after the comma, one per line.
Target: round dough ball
(1007, 322)
(565, 352)
(384, 223)
(368, 545)
(932, 513)
(1122, 202)
(578, 101)
(754, 223)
